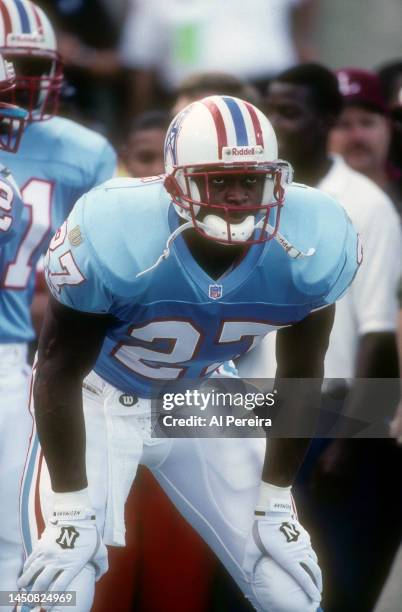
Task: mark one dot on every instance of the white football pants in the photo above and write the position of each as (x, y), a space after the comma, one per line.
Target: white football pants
(15, 427)
(213, 482)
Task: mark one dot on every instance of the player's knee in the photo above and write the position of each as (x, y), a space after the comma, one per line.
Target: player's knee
(276, 591)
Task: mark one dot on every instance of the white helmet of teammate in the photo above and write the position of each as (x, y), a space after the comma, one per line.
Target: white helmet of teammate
(27, 39)
(221, 135)
(12, 118)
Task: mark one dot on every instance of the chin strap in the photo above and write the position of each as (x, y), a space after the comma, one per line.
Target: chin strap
(290, 249)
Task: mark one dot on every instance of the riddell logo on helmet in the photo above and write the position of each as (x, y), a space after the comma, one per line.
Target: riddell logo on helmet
(25, 39)
(242, 151)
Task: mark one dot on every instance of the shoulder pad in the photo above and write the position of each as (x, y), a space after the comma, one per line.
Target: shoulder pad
(313, 220)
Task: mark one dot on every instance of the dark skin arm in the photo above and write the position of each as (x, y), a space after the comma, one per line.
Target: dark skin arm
(68, 348)
(300, 352)
(340, 463)
(396, 425)
(377, 357)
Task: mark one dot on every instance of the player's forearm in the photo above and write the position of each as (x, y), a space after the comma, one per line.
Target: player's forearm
(297, 417)
(377, 356)
(283, 460)
(61, 428)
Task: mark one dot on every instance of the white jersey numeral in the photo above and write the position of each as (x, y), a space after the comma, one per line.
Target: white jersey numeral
(173, 342)
(6, 202)
(252, 331)
(69, 273)
(170, 342)
(37, 197)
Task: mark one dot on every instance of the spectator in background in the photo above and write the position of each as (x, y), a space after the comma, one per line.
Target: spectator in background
(142, 152)
(202, 84)
(163, 42)
(390, 75)
(356, 545)
(88, 33)
(363, 132)
(396, 424)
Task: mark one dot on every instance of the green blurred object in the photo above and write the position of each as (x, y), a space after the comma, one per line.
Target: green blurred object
(186, 43)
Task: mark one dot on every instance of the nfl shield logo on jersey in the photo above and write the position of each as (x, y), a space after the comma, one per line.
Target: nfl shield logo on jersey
(215, 292)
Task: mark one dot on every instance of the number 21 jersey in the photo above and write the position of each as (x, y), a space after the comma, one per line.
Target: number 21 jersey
(57, 162)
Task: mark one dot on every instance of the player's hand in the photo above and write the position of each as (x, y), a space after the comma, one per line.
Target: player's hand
(70, 540)
(277, 534)
(396, 424)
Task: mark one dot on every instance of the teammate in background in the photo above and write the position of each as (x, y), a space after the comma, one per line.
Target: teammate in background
(139, 312)
(12, 122)
(303, 105)
(12, 215)
(57, 162)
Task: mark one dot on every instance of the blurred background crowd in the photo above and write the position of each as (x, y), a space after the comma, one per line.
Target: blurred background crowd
(329, 76)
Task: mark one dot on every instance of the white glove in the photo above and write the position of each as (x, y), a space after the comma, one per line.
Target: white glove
(70, 540)
(277, 534)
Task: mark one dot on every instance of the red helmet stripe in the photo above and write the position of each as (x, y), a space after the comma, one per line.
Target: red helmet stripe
(259, 140)
(219, 125)
(6, 20)
(40, 522)
(38, 20)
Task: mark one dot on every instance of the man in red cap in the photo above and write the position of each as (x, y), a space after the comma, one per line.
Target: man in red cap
(362, 134)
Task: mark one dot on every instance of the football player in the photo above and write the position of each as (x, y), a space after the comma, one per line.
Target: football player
(166, 278)
(57, 162)
(12, 122)
(12, 216)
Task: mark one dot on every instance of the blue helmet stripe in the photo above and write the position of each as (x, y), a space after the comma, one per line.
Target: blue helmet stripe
(238, 120)
(25, 26)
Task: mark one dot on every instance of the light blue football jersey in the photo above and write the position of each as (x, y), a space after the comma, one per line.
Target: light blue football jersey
(57, 162)
(11, 208)
(175, 321)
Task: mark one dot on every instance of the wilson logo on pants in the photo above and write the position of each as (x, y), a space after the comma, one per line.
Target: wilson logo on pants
(67, 537)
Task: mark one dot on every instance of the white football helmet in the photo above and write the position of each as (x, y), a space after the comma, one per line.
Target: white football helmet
(28, 40)
(222, 135)
(12, 118)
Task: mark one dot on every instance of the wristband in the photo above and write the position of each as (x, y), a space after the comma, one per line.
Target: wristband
(73, 500)
(274, 499)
